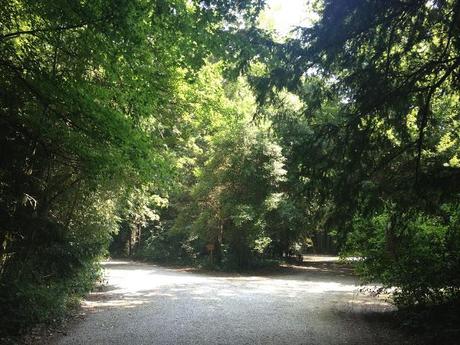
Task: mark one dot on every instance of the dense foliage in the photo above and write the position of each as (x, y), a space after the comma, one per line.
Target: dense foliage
(231, 192)
(90, 96)
(179, 130)
(380, 82)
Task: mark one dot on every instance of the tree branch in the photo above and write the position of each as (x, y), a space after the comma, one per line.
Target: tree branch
(424, 113)
(36, 31)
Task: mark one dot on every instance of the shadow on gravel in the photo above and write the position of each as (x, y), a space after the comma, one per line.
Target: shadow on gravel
(141, 284)
(315, 302)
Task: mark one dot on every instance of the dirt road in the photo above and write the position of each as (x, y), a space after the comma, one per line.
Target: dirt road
(318, 303)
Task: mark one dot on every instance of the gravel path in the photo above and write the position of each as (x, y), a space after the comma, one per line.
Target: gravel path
(317, 303)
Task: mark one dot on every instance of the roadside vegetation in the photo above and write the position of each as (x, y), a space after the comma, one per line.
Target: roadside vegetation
(183, 131)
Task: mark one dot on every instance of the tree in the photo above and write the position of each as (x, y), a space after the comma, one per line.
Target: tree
(236, 189)
(90, 97)
(389, 141)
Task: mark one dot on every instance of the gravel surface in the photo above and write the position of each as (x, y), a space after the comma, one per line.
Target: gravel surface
(317, 303)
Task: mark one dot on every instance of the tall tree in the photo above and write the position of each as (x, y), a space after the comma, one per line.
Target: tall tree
(389, 143)
(88, 103)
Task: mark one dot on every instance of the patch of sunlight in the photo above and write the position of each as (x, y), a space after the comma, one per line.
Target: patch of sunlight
(113, 303)
(116, 263)
(200, 298)
(361, 302)
(294, 288)
(320, 258)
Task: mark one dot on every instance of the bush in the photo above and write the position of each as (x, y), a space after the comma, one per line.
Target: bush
(26, 303)
(45, 277)
(419, 254)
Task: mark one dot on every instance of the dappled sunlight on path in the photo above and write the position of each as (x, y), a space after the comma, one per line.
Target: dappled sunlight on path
(316, 303)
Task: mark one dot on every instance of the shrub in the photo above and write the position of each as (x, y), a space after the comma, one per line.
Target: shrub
(417, 253)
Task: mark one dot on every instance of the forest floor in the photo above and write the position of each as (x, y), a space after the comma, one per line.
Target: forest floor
(317, 302)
